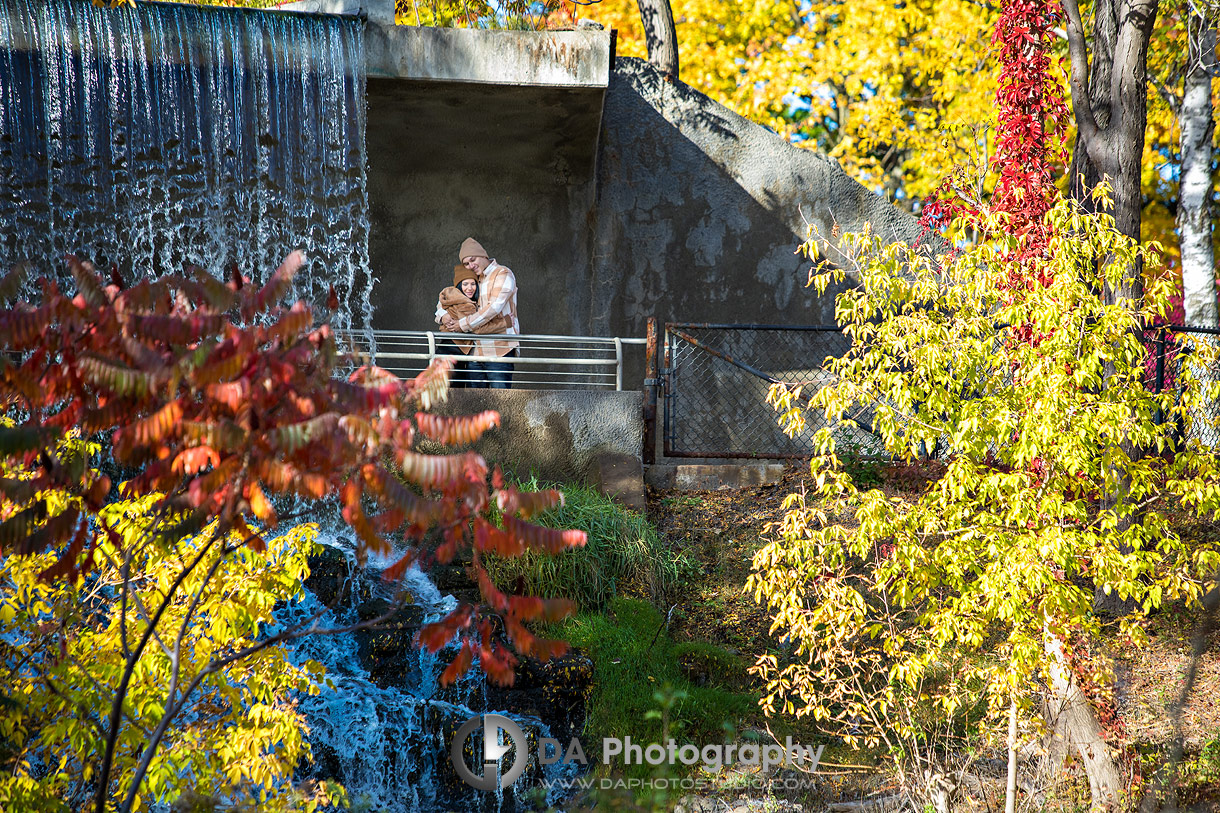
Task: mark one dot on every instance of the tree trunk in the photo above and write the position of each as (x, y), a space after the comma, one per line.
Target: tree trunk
(1083, 174)
(1195, 193)
(1073, 728)
(661, 36)
(1110, 107)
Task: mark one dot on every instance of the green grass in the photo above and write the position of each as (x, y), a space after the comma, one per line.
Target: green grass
(633, 658)
(624, 554)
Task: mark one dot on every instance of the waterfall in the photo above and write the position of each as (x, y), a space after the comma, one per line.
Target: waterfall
(167, 134)
(384, 729)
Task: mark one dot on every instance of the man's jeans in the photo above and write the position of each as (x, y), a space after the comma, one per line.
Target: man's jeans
(498, 374)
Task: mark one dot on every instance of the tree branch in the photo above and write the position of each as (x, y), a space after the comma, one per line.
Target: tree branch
(1086, 123)
(116, 708)
(301, 630)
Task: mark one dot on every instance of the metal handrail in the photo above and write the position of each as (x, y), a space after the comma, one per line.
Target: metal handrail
(564, 361)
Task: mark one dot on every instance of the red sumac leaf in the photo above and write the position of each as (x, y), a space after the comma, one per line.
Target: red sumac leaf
(278, 285)
(249, 537)
(491, 539)
(115, 378)
(461, 430)
(527, 504)
(261, 506)
(148, 431)
(291, 325)
(459, 666)
(546, 540)
(395, 571)
(433, 472)
(174, 328)
(195, 460)
(88, 284)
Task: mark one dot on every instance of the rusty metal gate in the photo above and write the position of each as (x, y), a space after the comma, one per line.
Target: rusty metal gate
(712, 380)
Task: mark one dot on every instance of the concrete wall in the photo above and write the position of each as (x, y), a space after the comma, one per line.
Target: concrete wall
(700, 212)
(554, 434)
(511, 166)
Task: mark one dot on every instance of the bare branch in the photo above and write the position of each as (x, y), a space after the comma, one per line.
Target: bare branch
(172, 709)
(116, 707)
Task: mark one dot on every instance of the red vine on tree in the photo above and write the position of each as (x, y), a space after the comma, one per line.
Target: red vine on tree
(1031, 114)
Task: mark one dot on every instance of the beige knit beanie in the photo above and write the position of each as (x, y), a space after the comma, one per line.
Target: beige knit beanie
(472, 248)
(461, 272)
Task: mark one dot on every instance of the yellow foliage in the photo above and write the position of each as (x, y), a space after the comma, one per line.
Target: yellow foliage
(232, 724)
(887, 86)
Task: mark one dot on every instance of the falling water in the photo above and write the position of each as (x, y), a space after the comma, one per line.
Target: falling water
(386, 736)
(157, 136)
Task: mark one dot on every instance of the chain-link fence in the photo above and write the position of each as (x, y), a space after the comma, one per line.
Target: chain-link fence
(1169, 346)
(715, 380)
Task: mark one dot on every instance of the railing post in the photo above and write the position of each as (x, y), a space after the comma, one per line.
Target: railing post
(650, 392)
(431, 347)
(618, 364)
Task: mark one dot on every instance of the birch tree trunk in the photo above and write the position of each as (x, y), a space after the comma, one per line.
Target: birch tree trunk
(1195, 195)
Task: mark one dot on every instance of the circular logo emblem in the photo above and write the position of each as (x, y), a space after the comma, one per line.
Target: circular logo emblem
(493, 751)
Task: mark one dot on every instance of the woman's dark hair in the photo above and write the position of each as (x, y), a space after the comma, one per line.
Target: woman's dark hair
(475, 298)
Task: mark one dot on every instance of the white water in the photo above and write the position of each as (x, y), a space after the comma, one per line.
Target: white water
(391, 744)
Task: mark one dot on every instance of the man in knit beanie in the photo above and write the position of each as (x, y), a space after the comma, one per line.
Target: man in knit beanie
(497, 297)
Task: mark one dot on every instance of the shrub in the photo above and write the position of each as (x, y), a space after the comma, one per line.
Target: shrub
(633, 658)
(623, 553)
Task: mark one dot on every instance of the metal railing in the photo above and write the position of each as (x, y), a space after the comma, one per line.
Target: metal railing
(545, 361)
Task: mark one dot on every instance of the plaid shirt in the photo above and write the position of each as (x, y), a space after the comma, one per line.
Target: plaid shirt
(497, 294)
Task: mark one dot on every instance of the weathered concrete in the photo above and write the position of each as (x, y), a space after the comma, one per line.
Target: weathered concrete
(568, 59)
(556, 435)
(579, 58)
(620, 476)
(700, 212)
(712, 477)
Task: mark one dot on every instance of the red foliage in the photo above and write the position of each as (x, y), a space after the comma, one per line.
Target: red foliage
(1031, 129)
(225, 401)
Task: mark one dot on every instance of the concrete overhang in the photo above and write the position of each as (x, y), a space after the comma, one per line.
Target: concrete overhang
(571, 59)
(461, 96)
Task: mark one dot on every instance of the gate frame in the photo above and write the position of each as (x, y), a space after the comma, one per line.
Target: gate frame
(665, 376)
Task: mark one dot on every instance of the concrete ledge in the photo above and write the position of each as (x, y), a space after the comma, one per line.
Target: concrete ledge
(573, 59)
(717, 477)
(556, 434)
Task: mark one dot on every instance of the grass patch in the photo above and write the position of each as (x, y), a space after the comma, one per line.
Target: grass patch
(633, 660)
(624, 554)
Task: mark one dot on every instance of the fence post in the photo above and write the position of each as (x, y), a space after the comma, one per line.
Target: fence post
(650, 393)
(618, 364)
(1160, 359)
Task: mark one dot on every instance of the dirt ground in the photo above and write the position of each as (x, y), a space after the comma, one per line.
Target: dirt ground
(720, 531)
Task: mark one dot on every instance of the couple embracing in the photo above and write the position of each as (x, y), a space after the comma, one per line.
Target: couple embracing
(483, 300)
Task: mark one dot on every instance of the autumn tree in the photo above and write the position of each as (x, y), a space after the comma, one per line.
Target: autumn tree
(226, 416)
(882, 88)
(964, 601)
(1020, 351)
